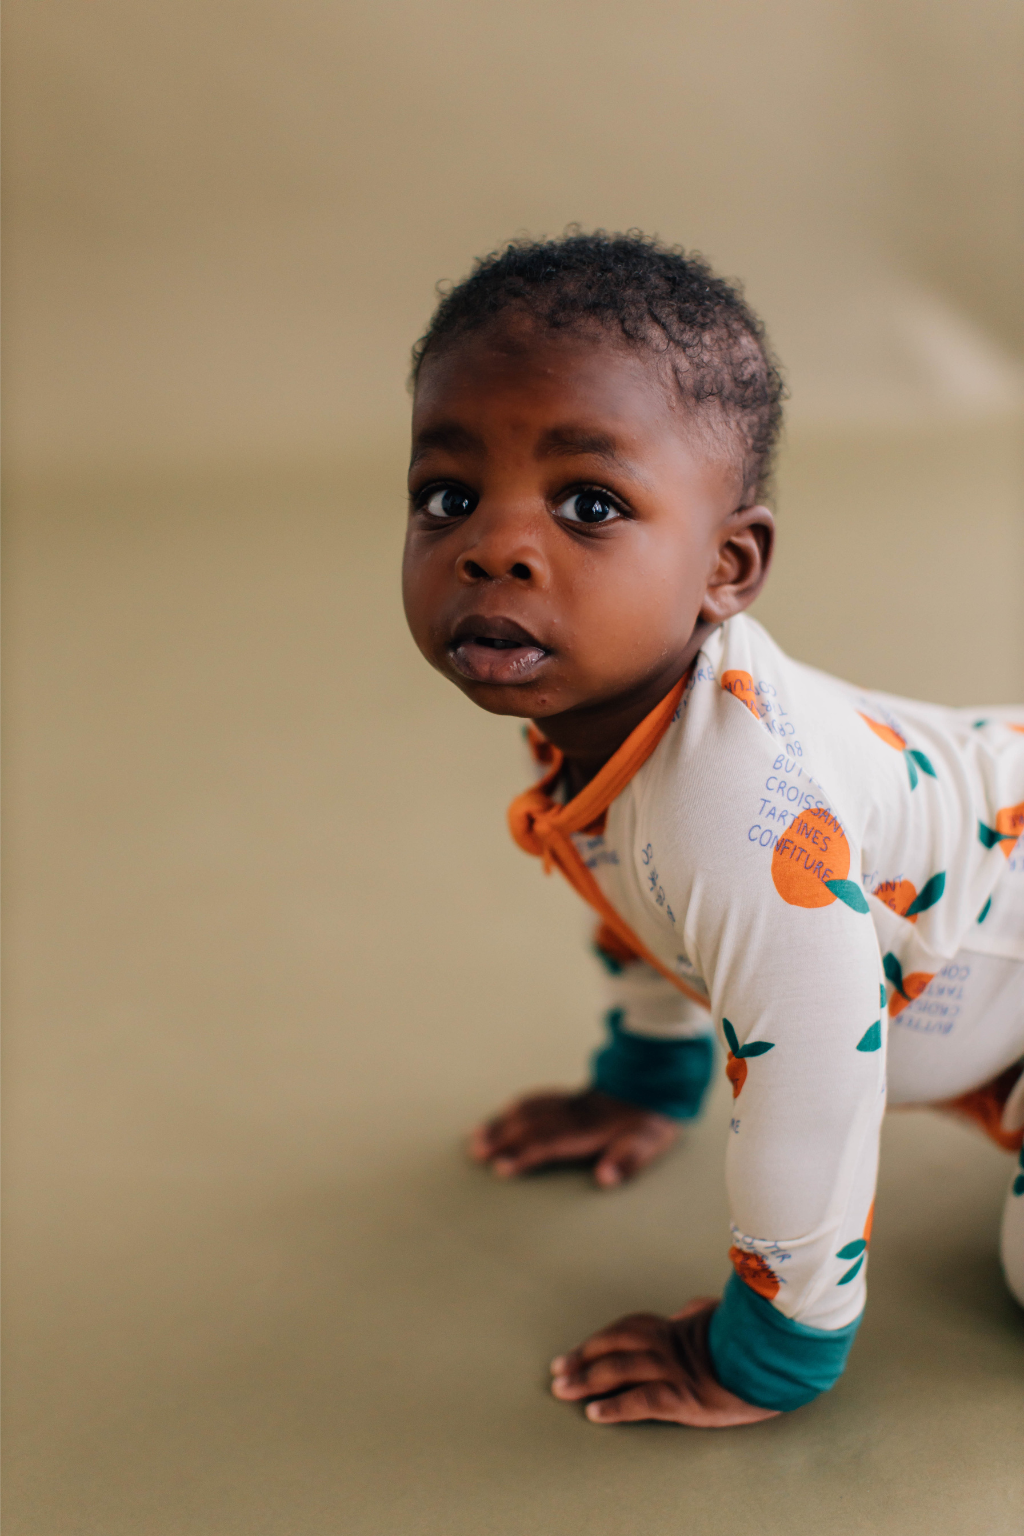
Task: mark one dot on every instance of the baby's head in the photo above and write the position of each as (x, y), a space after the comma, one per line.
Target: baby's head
(593, 424)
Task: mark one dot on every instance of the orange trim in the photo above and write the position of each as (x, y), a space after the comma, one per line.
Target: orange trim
(544, 829)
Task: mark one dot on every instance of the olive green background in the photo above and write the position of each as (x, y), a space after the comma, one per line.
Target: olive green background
(269, 951)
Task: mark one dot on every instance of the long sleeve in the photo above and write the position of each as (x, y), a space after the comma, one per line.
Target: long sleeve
(806, 1062)
(781, 932)
(770, 911)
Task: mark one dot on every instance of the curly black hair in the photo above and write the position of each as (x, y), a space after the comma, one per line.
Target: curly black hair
(656, 296)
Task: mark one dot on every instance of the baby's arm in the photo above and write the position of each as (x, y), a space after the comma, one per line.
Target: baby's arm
(650, 1076)
(807, 1069)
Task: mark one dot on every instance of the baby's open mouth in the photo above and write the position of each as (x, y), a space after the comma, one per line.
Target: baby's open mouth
(495, 650)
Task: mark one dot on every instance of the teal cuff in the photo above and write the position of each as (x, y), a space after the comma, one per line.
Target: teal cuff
(766, 1358)
(669, 1076)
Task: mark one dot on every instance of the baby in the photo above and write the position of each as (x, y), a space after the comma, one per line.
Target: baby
(826, 880)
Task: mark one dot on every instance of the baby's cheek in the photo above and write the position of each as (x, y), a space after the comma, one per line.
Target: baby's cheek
(636, 625)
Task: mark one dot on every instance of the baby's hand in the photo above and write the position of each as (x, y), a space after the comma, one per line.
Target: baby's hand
(649, 1367)
(569, 1127)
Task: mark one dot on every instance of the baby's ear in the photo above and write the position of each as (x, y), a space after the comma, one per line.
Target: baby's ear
(744, 554)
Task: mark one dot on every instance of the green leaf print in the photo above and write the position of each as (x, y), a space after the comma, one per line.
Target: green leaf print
(871, 1040)
(921, 761)
(852, 1249)
(881, 994)
(984, 911)
(894, 971)
(912, 771)
(928, 895)
(855, 1250)
(989, 837)
(850, 892)
(745, 1052)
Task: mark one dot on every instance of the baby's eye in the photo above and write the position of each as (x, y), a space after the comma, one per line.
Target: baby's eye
(448, 502)
(588, 507)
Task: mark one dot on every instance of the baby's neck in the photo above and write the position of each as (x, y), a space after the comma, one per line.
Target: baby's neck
(588, 737)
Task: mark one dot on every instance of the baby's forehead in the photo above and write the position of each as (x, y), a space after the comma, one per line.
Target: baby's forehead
(548, 372)
(513, 337)
(571, 391)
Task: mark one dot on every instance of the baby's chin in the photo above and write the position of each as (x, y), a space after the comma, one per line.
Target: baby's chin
(533, 697)
(526, 701)
(544, 697)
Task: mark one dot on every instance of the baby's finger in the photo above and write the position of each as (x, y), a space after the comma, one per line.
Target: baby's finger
(563, 1147)
(503, 1136)
(633, 1150)
(654, 1400)
(638, 1331)
(609, 1374)
(478, 1142)
(484, 1136)
(488, 1134)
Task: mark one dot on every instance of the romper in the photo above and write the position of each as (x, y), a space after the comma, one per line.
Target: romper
(828, 881)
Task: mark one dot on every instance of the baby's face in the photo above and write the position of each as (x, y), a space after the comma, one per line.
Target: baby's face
(573, 532)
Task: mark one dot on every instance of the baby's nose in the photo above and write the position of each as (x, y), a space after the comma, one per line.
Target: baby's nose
(503, 543)
(471, 568)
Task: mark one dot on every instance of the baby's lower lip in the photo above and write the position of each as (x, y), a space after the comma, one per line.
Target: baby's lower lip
(490, 663)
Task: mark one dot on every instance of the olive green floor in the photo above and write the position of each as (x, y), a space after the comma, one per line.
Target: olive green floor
(269, 953)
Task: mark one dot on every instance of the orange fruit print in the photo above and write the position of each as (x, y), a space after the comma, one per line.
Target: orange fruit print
(917, 763)
(741, 686)
(908, 902)
(755, 1272)
(898, 896)
(906, 988)
(1008, 828)
(811, 861)
(1010, 825)
(736, 1071)
(889, 736)
(736, 1062)
(913, 986)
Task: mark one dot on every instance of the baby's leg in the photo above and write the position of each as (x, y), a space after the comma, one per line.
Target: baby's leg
(959, 1045)
(967, 1026)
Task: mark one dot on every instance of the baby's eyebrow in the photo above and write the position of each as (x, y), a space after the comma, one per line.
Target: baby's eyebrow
(579, 442)
(567, 442)
(446, 435)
